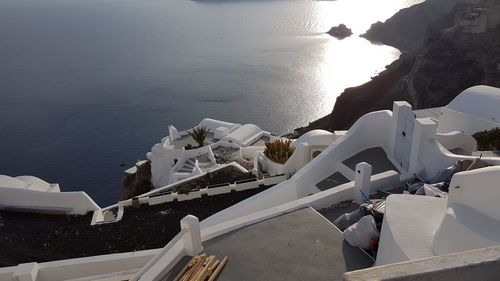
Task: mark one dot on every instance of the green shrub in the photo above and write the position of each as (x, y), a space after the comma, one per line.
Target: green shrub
(199, 135)
(488, 140)
(279, 150)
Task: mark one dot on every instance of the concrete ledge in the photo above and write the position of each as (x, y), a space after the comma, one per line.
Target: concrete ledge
(26, 272)
(481, 264)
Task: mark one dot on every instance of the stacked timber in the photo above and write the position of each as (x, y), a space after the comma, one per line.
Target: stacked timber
(201, 268)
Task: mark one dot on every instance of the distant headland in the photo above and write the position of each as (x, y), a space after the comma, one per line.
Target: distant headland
(447, 46)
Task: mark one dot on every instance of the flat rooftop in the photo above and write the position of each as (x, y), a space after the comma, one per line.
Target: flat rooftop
(187, 139)
(374, 156)
(433, 113)
(301, 245)
(331, 181)
(260, 141)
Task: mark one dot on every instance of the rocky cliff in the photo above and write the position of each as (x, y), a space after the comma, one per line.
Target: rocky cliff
(408, 29)
(462, 54)
(455, 45)
(138, 182)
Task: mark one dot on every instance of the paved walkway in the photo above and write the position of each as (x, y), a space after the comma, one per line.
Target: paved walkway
(300, 245)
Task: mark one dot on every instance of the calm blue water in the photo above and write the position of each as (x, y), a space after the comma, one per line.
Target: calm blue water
(86, 85)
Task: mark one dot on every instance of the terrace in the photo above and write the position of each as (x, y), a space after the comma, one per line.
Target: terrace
(303, 246)
(187, 139)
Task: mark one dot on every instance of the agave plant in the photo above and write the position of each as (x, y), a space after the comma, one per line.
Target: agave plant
(199, 135)
(279, 150)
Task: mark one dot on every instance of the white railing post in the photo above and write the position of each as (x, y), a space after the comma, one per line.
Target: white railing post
(190, 225)
(26, 272)
(362, 177)
(425, 130)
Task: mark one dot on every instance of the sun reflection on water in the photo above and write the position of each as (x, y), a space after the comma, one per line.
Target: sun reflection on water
(351, 62)
(354, 60)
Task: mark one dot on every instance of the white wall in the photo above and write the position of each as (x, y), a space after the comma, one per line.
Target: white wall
(318, 201)
(428, 156)
(373, 129)
(80, 267)
(162, 162)
(78, 201)
(478, 189)
(244, 135)
(96, 265)
(452, 120)
(457, 139)
(172, 185)
(302, 154)
(213, 124)
(249, 152)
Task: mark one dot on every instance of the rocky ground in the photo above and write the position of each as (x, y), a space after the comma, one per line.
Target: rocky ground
(27, 237)
(447, 47)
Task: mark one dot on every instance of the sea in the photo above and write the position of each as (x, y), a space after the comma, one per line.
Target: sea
(87, 87)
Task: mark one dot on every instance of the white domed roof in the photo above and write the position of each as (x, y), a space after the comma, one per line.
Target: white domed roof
(479, 101)
(317, 137)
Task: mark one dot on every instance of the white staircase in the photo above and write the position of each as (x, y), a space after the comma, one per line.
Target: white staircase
(188, 166)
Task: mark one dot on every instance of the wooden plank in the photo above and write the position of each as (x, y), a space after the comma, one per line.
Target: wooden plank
(218, 269)
(183, 271)
(199, 261)
(202, 275)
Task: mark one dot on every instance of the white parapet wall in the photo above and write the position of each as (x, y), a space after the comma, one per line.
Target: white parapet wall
(317, 201)
(249, 152)
(161, 199)
(373, 129)
(148, 265)
(218, 190)
(472, 219)
(213, 124)
(245, 135)
(81, 267)
(482, 264)
(152, 264)
(452, 120)
(305, 145)
(417, 227)
(75, 202)
(209, 191)
(428, 156)
(189, 196)
(173, 185)
(457, 139)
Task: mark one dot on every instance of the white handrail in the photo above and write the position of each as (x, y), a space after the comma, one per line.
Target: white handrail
(158, 256)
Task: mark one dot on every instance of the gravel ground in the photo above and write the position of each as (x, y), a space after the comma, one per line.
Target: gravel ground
(28, 237)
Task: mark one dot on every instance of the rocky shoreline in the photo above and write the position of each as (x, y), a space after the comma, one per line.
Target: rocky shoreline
(447, 47)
